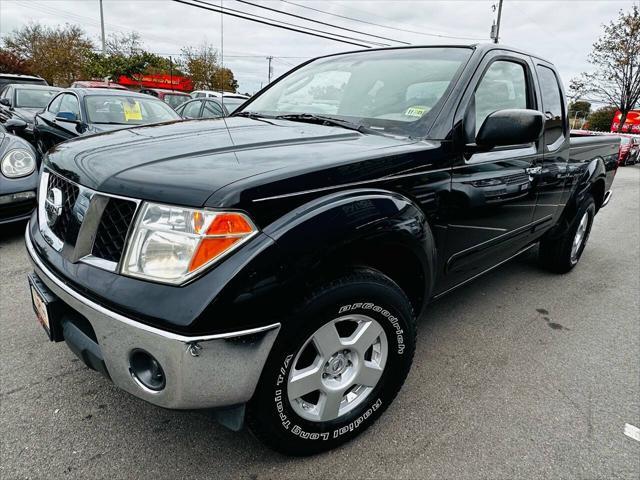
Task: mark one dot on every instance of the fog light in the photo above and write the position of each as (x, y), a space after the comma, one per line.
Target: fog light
(146, 370)
(17, 197)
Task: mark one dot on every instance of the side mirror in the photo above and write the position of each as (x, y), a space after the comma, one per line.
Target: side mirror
(510, 127)
(5, 101)
(67, 117)
(15, 125)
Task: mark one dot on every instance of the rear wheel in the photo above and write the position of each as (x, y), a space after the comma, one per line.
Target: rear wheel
(561, 254)
(336, 367)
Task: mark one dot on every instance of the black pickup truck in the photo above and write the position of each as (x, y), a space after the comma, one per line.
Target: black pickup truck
(272, 265)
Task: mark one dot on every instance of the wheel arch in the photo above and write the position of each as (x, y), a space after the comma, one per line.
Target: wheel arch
(364, 228)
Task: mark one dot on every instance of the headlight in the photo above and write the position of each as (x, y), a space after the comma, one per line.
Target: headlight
(172, 244)
(17, 163)
(488, 182)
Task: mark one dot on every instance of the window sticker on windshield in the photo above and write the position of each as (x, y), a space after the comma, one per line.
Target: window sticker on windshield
(132, 111)
(416, 111)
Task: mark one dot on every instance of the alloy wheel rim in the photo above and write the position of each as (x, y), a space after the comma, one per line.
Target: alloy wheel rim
(579, 237)
(337, 368)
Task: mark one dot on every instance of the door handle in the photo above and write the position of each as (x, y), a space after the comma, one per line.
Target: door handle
(533, 170)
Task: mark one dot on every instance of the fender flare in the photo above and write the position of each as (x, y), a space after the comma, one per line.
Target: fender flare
(360, 227)
(593, 173)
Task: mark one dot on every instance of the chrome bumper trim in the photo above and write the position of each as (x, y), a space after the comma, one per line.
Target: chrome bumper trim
(201, 372)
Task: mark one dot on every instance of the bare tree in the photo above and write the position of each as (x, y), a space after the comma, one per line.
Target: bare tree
(616, 57)
(124, 44)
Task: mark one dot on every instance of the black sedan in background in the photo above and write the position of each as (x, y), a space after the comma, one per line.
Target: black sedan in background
(18, 177)
(19, 104)
(203, 108)
(84, 111)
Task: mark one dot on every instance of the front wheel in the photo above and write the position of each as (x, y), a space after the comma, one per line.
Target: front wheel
(561, 254)
(335, 367)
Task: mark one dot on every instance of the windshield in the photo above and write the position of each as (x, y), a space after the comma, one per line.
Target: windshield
(174, 99)
(231, 103)
(28, 98)
(391, 91)
(127, 110)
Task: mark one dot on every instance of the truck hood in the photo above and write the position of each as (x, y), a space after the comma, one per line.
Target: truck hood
(185, 162)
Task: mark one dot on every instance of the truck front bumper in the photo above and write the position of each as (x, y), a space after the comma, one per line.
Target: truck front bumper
(199, 372)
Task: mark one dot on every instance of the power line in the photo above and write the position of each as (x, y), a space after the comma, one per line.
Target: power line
(322, 23)
(228, 11)
(380, 25)
(65, 14)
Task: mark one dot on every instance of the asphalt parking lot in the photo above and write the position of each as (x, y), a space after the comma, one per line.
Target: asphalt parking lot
(522, 374)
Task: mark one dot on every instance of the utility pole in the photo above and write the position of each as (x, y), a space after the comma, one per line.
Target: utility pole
(104, 44)
(171, 71)
(495, 28)
(270, 69)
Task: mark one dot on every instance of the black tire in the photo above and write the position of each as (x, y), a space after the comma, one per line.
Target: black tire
(555, 253)
(270, 414)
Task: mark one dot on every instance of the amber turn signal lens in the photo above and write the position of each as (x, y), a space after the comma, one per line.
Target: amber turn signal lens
(225, 230)
(229, 223)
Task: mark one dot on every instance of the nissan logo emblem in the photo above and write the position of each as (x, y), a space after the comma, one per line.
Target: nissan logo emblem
(53, 206)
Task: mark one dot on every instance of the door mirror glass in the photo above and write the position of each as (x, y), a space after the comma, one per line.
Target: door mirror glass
(510, 127)
(5, 101)
(15, 125)
(67, 117)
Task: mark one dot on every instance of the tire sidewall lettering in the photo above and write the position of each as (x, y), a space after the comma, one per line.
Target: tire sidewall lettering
(399, 332)
(290, 422)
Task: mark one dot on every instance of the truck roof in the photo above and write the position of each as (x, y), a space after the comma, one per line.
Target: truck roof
(479, 47)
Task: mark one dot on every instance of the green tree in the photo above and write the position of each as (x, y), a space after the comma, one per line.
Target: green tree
(56, 54)
(616, 58)
(601, 119)
(125, 55)
(201, 64)
(578, 112)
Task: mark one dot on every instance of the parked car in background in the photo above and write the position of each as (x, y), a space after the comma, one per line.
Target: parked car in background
(626, 150)
(170, 97)
(634, 151)
(97, 84)
(216, 94)
(84, 111)
(202, 108)
(232, 101)
(19, 103)
(7, 78)
(18, 177)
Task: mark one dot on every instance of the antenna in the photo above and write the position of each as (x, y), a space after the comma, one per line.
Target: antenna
(495, 28)
(224, 119)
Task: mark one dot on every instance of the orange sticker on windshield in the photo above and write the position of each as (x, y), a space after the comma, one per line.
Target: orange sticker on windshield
(416, 111)
(132, 111)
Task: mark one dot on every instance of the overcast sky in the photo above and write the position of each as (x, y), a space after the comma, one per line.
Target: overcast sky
(560, 31)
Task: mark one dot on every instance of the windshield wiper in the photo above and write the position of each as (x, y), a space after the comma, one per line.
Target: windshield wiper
(249, 115)
(321, 119)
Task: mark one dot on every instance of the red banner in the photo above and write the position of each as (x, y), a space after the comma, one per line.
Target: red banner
(631, 124)
(170, 82)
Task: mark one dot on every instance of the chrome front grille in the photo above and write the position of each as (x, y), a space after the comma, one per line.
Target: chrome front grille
(84, 225)
(516, 179)
(112, 230)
